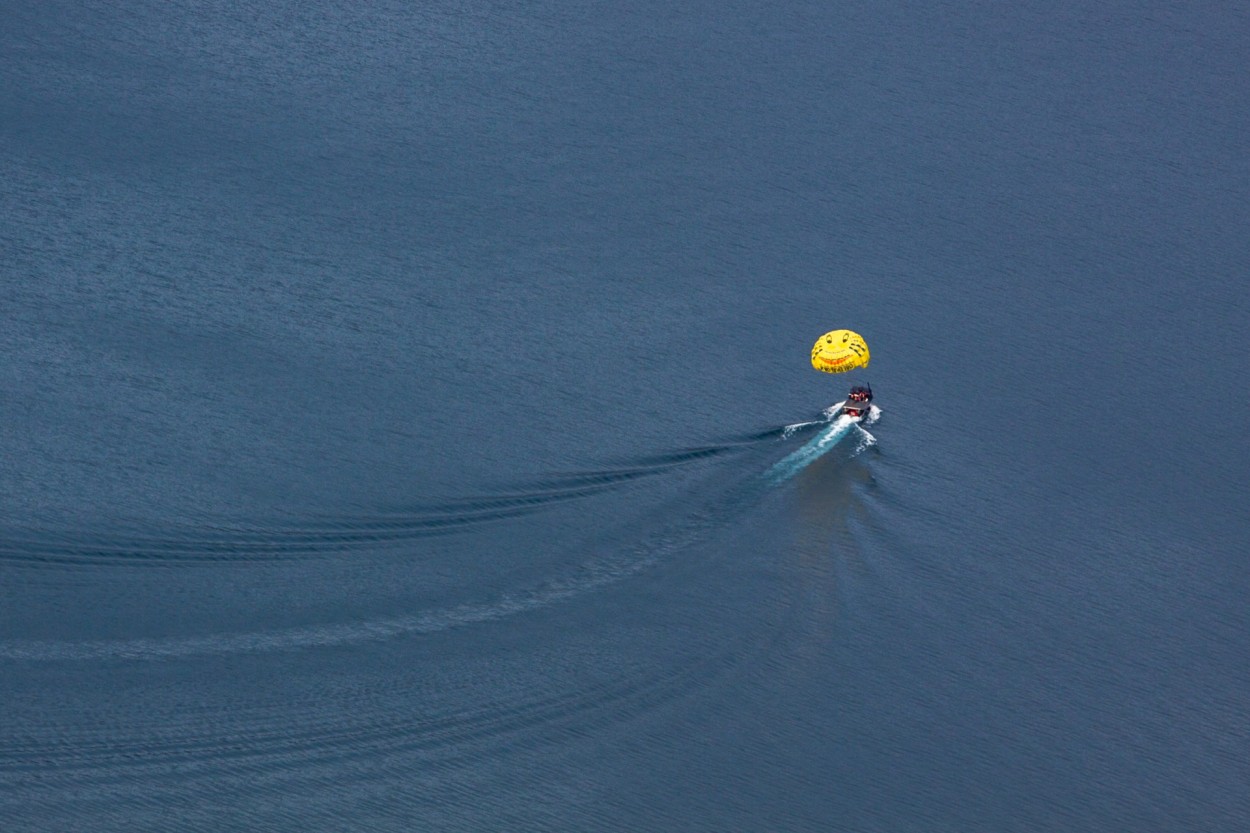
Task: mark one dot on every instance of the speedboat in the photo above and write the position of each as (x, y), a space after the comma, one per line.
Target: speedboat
(858, 402)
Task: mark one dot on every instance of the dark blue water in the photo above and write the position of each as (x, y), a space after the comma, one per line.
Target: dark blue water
(394, 431)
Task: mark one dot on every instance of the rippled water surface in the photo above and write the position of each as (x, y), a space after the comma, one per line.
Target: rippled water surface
(408, 422)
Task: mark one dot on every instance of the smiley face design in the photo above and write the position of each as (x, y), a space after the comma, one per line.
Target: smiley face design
(838, 351)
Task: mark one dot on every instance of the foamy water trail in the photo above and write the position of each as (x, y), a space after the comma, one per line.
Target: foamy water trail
(591, 576)
(837, 430)
(797, 460)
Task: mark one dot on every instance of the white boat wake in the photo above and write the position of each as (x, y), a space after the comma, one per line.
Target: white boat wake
(838, 429)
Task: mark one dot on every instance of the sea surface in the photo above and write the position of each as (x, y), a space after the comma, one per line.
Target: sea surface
(407, 422)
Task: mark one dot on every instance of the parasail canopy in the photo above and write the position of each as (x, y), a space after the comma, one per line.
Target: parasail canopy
(838, 351)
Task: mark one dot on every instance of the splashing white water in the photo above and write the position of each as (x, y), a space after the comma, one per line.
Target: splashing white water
(838, 429)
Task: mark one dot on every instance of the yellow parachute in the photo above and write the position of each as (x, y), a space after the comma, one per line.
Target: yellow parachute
(839, 351)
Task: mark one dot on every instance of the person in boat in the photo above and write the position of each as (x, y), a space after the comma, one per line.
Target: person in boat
(857, 401)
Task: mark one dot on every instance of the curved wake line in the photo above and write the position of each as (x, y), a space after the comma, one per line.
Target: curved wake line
(591, 576)
(354, 535)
